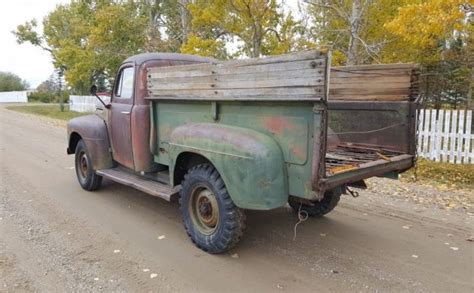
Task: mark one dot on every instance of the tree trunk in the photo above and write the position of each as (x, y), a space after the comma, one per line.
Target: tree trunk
(185, 19)
(256, 40)
(355, 20)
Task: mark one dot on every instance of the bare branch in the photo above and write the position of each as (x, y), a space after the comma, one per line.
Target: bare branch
(372, 54)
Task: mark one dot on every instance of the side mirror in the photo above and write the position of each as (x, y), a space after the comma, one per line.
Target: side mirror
(93, 92)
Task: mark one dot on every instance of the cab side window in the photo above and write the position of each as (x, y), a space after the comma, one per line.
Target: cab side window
(124, 85)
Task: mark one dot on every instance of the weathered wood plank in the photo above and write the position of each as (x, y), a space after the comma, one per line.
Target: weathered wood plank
(368, 91)
(270, 75)
(384, 85)
(358, 97)
(369, 80)
(307, 98)
(285, 91)
(370, 73)
(219, 69)
(247, 84)
(412, 66)
(304, 55)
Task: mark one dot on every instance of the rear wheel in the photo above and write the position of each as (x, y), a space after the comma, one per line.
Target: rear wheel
(86, 175)
(211, 219)
(319, 208)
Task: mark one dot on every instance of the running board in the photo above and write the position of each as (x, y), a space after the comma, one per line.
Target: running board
(143, 184)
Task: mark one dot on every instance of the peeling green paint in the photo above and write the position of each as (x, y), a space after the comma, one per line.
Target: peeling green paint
(261, 149)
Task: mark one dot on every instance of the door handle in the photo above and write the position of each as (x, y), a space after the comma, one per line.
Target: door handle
(125, 112)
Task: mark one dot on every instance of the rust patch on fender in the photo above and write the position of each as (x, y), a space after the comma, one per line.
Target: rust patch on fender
(277, 125)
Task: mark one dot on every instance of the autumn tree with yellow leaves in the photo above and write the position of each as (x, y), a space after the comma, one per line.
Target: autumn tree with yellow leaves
(439, 35)
(253, 27)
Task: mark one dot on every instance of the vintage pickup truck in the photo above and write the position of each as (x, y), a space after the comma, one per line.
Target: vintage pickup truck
(223, 137)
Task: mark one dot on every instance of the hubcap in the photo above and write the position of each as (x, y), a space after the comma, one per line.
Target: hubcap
(204, 210)
(83, 164)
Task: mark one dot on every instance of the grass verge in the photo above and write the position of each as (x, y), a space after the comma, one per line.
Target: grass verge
(51, 111)
(452, 175)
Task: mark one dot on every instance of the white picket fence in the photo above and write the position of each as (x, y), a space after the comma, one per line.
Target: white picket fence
(446, 136)
(85, 103)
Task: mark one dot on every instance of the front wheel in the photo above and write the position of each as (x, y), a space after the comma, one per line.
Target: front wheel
(319, 208)
(86, 175)
(211, 219)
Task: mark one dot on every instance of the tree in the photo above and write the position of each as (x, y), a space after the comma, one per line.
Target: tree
(352, 29)
(256, 26)
(11, 82)
(168, 24)
(424, 28)
(89, 39)
(439, 35)
(49, 86)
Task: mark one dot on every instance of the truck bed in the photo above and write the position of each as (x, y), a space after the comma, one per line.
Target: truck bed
(348, 162)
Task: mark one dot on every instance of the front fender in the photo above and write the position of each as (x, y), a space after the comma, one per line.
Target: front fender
(250, 163)
(93, 131)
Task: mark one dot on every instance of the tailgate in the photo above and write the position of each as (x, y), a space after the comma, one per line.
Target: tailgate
(371, 122)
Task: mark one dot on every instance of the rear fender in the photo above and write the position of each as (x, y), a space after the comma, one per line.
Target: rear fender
(93, 131)
(250, 163)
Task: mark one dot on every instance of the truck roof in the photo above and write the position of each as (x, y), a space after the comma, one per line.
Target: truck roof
(140, 58)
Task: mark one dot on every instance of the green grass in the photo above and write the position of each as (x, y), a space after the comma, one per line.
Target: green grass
(460, 175)
(51, 111)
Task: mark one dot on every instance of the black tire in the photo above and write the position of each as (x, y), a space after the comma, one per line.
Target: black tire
(319, 208)
(86, 175)
(211, 219)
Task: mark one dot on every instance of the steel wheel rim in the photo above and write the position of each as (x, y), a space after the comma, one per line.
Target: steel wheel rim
(204, 210)
(83, 164)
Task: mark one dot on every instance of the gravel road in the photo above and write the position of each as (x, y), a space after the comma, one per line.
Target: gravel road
(55, 237)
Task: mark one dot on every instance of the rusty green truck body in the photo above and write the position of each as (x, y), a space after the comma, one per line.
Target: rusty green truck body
(266, 126)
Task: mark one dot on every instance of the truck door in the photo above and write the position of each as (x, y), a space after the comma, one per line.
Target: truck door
(119, 119)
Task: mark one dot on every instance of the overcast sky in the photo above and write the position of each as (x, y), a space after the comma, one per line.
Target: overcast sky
(31, 63)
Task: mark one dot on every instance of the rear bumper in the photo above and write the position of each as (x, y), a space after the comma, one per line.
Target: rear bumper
(370, 169)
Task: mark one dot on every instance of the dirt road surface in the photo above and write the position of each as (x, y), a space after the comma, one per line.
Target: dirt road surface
(55, 237)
